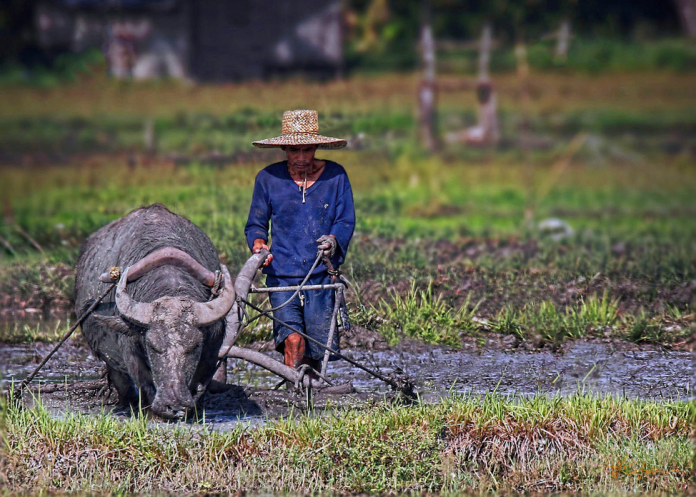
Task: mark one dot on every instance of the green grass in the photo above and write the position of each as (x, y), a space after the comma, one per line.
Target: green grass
(586, 56)
(458, 226)
(464, 444)
(421, 315)
(594, 314)
(437, 235)
(34, 331)
(193, 134)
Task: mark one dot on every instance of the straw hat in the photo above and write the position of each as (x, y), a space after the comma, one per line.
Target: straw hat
(301, 127)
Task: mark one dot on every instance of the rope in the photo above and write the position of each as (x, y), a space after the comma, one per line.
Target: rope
(258, 316)
(330, 270)
(304, 282)
(28, 379)
(215, 290)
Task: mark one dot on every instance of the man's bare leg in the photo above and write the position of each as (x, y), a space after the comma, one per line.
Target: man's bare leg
(294, 350)
(294, 355)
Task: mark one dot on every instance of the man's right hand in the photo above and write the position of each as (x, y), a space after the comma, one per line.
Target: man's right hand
(259, 245)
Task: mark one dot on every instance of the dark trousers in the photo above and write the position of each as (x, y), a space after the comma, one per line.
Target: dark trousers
(313, 318)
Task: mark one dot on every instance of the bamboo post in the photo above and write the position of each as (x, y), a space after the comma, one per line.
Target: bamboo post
(525, 101)
(149, 137)
(427, 92)
(485, 92)
(563, 41)
(687, 15)
(485, 52)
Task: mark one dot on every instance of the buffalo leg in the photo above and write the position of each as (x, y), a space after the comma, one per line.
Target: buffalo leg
(127, 393)
(219, 382)
(206, 367)
(139, 370)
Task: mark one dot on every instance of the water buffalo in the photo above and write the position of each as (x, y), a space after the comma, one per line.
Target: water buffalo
(159, 333)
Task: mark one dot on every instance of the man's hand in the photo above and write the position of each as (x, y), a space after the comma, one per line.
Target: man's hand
(327, 243)
(259, 245)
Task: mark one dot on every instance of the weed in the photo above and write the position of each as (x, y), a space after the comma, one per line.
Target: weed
(421, 314)
(594, 314)
(40, 331)
(507, 322)
(643, 329)
(597, 312)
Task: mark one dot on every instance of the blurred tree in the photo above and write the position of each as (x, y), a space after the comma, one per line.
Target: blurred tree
(18, 33)
(687, 11)
(375, 18)
(388, 30)
(620, 18)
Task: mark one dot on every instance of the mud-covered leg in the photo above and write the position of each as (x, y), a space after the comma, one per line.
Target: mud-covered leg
(139, 370)
(127, 393)
(219, 382)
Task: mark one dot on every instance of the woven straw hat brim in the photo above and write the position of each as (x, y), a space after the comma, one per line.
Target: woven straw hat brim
(325, 142)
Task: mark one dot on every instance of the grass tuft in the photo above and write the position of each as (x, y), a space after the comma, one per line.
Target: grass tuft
(424, 316)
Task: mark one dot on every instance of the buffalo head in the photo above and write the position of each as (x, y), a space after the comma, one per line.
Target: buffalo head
(174, 328)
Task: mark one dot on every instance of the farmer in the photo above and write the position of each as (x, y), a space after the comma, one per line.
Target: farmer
(309, 204)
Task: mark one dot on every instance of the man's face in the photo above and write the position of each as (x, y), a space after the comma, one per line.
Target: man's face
(300, 157)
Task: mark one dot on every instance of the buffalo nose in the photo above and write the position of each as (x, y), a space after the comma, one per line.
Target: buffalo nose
(172, 408)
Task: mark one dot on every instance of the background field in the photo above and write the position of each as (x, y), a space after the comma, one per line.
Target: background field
(443, 247)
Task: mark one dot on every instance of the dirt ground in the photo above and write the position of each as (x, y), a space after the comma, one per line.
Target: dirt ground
(457, 280)
(73, 381)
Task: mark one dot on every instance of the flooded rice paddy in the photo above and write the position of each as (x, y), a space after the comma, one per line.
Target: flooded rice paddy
(72, 379)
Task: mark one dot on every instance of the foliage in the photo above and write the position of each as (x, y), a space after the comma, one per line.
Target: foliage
(66, 67)
(586, 55)
(384, 34)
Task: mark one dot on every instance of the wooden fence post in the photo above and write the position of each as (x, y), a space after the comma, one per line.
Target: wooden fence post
(427, 92)
(563, 41)
(486, 132)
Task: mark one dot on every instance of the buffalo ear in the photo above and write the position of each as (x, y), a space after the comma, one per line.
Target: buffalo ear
(116, 323)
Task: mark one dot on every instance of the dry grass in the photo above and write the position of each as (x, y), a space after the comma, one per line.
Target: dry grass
(579, 444)
(94, 95)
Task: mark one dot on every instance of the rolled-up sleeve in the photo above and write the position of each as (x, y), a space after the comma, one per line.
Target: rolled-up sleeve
(344, 223)
(259, 213)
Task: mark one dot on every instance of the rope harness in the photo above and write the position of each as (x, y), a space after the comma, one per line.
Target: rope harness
(405, 387)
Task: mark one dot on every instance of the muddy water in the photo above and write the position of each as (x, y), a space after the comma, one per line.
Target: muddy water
(581, 366)
(615, 368)
(592, 367)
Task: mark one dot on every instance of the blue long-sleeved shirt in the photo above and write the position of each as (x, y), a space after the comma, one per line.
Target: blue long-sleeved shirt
(295, 227)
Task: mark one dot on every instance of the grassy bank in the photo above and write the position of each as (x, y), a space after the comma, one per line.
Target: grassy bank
(578, 444)
(97, 98)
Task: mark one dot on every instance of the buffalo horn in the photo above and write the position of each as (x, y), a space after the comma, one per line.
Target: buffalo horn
(134, 311)
(209, 312)
(173, 257)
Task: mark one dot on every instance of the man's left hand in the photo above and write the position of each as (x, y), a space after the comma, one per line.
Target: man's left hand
(327, 243)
